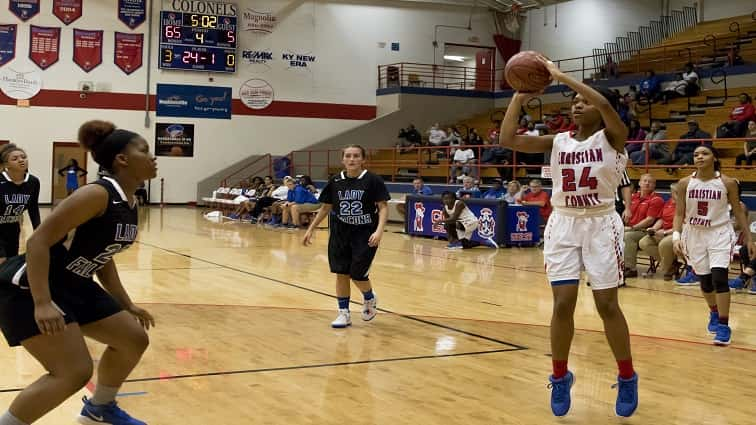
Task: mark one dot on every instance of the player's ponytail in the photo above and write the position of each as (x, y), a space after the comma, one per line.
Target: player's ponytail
(104, 141)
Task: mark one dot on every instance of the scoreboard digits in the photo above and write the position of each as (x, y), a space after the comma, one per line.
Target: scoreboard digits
(197, 42)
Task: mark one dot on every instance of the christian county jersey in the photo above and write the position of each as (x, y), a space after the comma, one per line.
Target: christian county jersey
(99, 239)
(706, 202)
(585, 173)
(14, 200)
(466, 217)
(354, 198)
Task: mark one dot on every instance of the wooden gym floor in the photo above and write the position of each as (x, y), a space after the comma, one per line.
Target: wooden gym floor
(243, 337)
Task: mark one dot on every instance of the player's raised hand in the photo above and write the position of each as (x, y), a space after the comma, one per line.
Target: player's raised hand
(551, 67)
(307, 239)
(375, 239)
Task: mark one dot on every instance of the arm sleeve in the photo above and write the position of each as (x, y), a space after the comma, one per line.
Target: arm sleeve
(33, 208)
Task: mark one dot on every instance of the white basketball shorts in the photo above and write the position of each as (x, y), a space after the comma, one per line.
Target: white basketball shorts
(707, 247)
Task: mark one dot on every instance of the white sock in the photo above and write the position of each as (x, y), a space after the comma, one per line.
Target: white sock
(9, 419)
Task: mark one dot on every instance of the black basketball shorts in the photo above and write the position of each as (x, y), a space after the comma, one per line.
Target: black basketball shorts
(348, 250)
(9, 246)
(80, 300)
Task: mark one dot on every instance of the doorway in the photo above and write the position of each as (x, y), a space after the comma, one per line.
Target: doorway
(63, 152)
(469, 67)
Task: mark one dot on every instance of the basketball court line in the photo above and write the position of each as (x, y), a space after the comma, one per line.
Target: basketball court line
(314, 291)
(298, 367)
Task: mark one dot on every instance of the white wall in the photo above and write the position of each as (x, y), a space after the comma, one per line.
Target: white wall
(343, 35)
(718, 9)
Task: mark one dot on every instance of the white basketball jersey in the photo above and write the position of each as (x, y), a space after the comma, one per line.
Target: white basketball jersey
(585, 173)
(466, 217)
(706, 203)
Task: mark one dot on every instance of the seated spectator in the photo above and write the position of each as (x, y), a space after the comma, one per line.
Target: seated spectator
(244, 200)
(468, 189)
(568, 125)
(683, 153)
(659, 151)
(555, 122)
(267, 197)
(645, 208)
(464, 159)
(739, 118)
(523, 126)
(612, 70)
(493, 132)
(459, 221)
(632, 95)
(298, 200)
(536, 196)
(473, 138)
(436, 136)
(687, 85)
(749, 146)
(496, 191)
(453, 138)
(531, 129)
(409, 137)
(496, 154)
(418, 188)
(306, 182)
(658, 241)
(514, 192)
(635, 133)
(650, 86)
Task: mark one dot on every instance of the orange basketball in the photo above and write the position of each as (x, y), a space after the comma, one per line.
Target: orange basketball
(526, 74)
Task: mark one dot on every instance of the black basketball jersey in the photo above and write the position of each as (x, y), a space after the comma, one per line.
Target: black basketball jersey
(99, 239)
(354, 198)
(14, 200)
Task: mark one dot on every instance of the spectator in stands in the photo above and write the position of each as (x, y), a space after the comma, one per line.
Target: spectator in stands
(739, 118)
(418, 188)
(436, 136)
(473, 138)
(496, 154)
(536, 196)
(611, 67)
(468, 189)
(493, 132)
(568, 125)
(409, 138)
(658, 151)
(464, 160)
(687, 85)
(650, 86)
(523, 126)
(531, 129)
(496, 191)
(554, 123)
(749, 146)
(306, 182)
(658, 241)
(514, 192)
(635, 133)
(623, 108)
(298, 200)
(267, 198)
(683, 153)
(733, 56)
(632, 95)
(645, 208)
(453, 138)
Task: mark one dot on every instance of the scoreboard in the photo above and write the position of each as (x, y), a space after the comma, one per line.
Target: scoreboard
(197, 42)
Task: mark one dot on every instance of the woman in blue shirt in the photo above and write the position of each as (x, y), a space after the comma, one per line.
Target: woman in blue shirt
(298, 200)
(72, 175)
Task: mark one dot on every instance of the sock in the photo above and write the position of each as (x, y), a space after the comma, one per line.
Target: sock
(723, 320)
(9, 419)
(343, 303)
(104, 395)
(368, 295)
(560, 368)
(713, 309)
(626, 370)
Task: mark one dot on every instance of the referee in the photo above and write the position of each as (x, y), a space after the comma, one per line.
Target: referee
(359, 217)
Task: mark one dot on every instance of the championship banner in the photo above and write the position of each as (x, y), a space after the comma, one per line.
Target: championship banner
(44, 45)
(132, 12)
(24, 9)
(174, 139)
(128, 51)
(67, 10)
(7, 43)
(87, 52)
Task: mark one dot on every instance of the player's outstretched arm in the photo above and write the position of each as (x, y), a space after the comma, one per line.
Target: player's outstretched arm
(521, 143)
(325, 209)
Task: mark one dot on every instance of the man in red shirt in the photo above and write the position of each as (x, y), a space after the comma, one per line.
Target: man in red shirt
(645, 208)
(537, 197)
(658, 243)
(739, 117)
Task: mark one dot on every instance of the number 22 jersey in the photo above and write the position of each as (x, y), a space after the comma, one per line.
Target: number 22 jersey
(354, 198)
(585, 173)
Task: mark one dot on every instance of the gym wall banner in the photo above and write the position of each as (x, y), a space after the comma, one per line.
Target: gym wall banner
(67, 10)
(87, 51)
(24, 9)
(173, 139)
(44, 45)
(7, 43)
(176, 100)
(132, 12)
(127, 54)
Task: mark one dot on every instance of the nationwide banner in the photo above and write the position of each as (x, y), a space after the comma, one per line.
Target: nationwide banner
(132, 12)
(87, 52)
(173, 139)
(24, 9)
(175, 100)
(7, 43)
(44, 45)
(128, 51)
(68, 10)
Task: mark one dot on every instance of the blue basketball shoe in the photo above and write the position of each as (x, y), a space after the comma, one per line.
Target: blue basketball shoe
(560, 393)
(713, 322)
(627, 396)
(106, 414)
(724, 334)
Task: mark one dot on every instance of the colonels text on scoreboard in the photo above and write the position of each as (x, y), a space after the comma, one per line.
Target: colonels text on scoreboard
(198, 36)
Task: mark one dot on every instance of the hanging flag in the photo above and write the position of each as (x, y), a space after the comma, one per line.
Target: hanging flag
(7, 43)
(132, 12)
(128, 51)
(24, 9)
(67, 10)
(87, 52)
(44, 45)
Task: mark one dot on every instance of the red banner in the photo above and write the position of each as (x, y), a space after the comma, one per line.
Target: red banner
(128, 51)
(44, 45)
(67, 10)
(87, 52)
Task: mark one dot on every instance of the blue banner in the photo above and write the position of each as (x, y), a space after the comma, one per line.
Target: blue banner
(523, 228)
(7, 43)
(132, 12)
(174, 100)
(24, 9)
(425, 217)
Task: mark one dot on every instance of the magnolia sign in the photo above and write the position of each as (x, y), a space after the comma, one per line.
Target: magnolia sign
(261, 22)
(20, 85)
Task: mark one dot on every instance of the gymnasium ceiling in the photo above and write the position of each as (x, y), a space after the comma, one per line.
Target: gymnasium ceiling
(500, 5)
